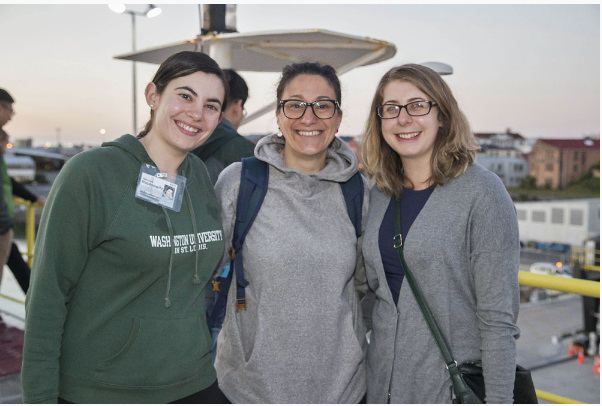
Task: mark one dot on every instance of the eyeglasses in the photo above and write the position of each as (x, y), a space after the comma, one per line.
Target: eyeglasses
(323, 109)
(418, 108)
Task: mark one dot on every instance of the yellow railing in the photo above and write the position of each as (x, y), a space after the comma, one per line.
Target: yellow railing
(569, 285)
(550, 397)
(30, 224)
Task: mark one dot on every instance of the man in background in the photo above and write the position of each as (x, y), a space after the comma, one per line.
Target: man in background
(6, 222)
(15, 262)
(226, 145)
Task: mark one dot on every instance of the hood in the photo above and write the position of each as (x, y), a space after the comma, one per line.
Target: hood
(134, 147)
(341, 162)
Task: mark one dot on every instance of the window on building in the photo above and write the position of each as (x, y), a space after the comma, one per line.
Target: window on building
(549, 167)
(583, 155)
(538, 216)
(521, 215)
(575, 168)
(576, 217)
(557, 216)
(576, 155)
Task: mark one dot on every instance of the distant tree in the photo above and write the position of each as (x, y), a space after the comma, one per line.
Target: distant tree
(528, 182)
(591, 179)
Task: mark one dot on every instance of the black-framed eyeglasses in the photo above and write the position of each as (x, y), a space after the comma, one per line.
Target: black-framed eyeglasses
(323, 109)
(417, 108)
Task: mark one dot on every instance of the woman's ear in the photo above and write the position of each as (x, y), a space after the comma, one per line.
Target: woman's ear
(151, 95)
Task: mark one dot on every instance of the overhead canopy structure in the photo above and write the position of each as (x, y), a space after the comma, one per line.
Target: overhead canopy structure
(271, 51)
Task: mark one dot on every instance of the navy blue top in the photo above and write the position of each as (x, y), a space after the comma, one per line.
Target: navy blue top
(412, 201)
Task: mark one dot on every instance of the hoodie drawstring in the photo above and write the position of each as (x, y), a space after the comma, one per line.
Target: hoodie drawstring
(195, 275)
(171, 255)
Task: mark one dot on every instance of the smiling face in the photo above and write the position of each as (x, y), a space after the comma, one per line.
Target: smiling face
(187, 111)
(411, 137)
(308, 137)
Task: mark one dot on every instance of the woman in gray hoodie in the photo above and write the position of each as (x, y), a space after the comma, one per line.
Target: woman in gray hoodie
(460, 239)
(301, 338)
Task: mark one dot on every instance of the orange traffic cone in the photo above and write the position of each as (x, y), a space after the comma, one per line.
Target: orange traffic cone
(581, 356)
(572, 349)
(597, 365)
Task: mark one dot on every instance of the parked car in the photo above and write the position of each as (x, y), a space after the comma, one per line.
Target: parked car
(548, 268)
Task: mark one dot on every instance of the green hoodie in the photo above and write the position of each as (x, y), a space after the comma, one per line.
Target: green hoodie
(115, 312)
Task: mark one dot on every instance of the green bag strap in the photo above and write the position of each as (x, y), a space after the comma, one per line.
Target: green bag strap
(459, 386)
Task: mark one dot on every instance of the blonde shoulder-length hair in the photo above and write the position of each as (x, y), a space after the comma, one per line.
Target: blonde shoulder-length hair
(454, 147)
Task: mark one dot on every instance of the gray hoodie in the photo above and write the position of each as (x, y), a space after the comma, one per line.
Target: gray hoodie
(302, 338)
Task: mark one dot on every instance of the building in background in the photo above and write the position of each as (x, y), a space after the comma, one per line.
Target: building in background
(506, 140)
(556, 163)
(508, 163)
(568, 222)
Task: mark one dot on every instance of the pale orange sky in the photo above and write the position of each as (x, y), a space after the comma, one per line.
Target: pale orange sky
(532, 68)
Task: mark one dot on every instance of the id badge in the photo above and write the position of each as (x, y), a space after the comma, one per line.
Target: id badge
(162, 189)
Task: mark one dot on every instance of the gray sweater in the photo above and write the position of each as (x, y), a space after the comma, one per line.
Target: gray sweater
(463, 249)
(302, 338)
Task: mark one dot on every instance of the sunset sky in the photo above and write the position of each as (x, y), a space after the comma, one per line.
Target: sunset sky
(532, 68)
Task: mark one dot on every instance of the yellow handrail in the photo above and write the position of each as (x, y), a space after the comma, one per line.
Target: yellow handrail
(550, 397)
(12, 299)
(570, 285)
(30, 224)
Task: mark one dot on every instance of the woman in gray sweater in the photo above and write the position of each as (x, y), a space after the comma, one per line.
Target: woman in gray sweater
(301, 338)
(460, 237)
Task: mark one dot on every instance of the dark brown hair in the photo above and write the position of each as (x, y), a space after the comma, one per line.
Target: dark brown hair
(308, 68)
(183, 64)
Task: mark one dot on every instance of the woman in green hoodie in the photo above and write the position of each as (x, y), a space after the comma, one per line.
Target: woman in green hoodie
(115, 313)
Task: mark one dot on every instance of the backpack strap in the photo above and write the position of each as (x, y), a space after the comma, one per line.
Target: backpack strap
(252, 191)
(253, 188)
(353, 193)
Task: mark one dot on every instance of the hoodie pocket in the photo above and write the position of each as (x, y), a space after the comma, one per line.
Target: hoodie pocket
(159, 352)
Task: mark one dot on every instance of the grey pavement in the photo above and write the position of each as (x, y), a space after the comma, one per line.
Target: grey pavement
(551, 367)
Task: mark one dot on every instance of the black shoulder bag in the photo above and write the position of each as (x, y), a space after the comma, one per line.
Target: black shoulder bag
(467, 379)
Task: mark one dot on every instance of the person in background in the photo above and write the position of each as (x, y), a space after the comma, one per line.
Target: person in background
(6, 221)
(460, 236)
(16, 263)
(301, 338)
(115, 311)
(226, 146)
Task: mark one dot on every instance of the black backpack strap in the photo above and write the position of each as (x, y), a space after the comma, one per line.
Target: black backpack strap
(252, 191)
(353, 193)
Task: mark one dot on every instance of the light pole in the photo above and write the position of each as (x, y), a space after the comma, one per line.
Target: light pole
(150, 12)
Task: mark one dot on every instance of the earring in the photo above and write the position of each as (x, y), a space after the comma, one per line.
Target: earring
(279, 134)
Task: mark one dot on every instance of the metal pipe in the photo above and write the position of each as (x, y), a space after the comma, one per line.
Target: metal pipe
(30, 225)
(570, 285)
(550, 397)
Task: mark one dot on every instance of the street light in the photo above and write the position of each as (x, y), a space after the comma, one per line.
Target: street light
(150, 12)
